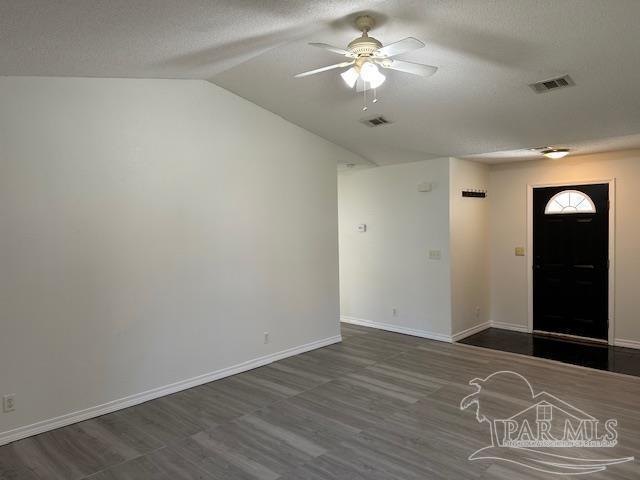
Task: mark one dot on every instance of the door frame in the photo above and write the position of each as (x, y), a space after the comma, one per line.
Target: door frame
(612, 244)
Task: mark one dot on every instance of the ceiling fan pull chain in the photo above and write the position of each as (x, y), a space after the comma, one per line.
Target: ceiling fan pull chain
(375, 95)
(364, 92)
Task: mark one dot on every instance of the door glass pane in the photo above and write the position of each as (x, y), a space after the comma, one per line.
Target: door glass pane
(570, 201)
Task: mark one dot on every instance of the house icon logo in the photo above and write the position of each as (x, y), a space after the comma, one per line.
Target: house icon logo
(539, 430)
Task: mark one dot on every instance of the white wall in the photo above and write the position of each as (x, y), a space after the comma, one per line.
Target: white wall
(469, 224)
(151, 232)
(508, 191)
(388, 266)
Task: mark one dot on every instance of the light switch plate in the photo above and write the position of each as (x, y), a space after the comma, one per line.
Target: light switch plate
(362, 228)
(519, 251)
(435, 255)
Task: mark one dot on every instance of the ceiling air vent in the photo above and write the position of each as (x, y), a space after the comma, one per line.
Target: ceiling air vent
(553, 84)
(375, 121)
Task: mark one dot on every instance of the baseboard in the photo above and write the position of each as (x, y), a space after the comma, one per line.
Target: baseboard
(620, 342)
(136, 399)
(396, 329)
(456, 337)
(510, 326)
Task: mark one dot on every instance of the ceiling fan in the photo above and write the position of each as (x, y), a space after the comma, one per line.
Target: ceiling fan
(366, 54)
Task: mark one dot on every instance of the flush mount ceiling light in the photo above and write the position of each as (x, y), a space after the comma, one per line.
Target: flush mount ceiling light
(367, 55)
(555, 153)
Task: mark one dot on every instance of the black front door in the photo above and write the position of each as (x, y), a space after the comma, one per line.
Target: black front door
(570, 260)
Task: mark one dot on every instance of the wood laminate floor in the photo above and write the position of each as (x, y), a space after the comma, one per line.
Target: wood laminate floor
(378, 406)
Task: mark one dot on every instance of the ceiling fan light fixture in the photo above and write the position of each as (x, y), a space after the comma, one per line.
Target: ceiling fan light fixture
(370, 74)
(350, 77)
(555, 153)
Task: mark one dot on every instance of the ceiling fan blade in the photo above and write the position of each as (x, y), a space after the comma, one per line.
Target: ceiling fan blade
(397, 48)
(324, 69)
(339, 51)
(409, 67)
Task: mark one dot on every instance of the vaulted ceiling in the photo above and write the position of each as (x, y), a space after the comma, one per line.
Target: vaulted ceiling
(479, 102)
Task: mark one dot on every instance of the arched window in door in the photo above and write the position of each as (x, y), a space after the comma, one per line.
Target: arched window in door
(570, 201)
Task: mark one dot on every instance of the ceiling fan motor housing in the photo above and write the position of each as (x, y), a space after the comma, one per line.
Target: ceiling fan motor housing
(364, 46)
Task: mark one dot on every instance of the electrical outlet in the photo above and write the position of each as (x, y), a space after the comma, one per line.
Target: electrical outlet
(9, 403)
(477, 312)
(266, 337)
(394, 312)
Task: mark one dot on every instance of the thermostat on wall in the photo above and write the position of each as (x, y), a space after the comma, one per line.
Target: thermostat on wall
(362, 228)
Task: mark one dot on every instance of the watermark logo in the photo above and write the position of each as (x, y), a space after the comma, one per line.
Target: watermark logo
(539, 430)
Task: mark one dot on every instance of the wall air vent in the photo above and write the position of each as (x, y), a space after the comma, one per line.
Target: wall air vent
(375, 121)
(553, 84)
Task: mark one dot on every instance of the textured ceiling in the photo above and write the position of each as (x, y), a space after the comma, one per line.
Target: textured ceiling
(488, 52)
(152, 38)
(628, 142)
